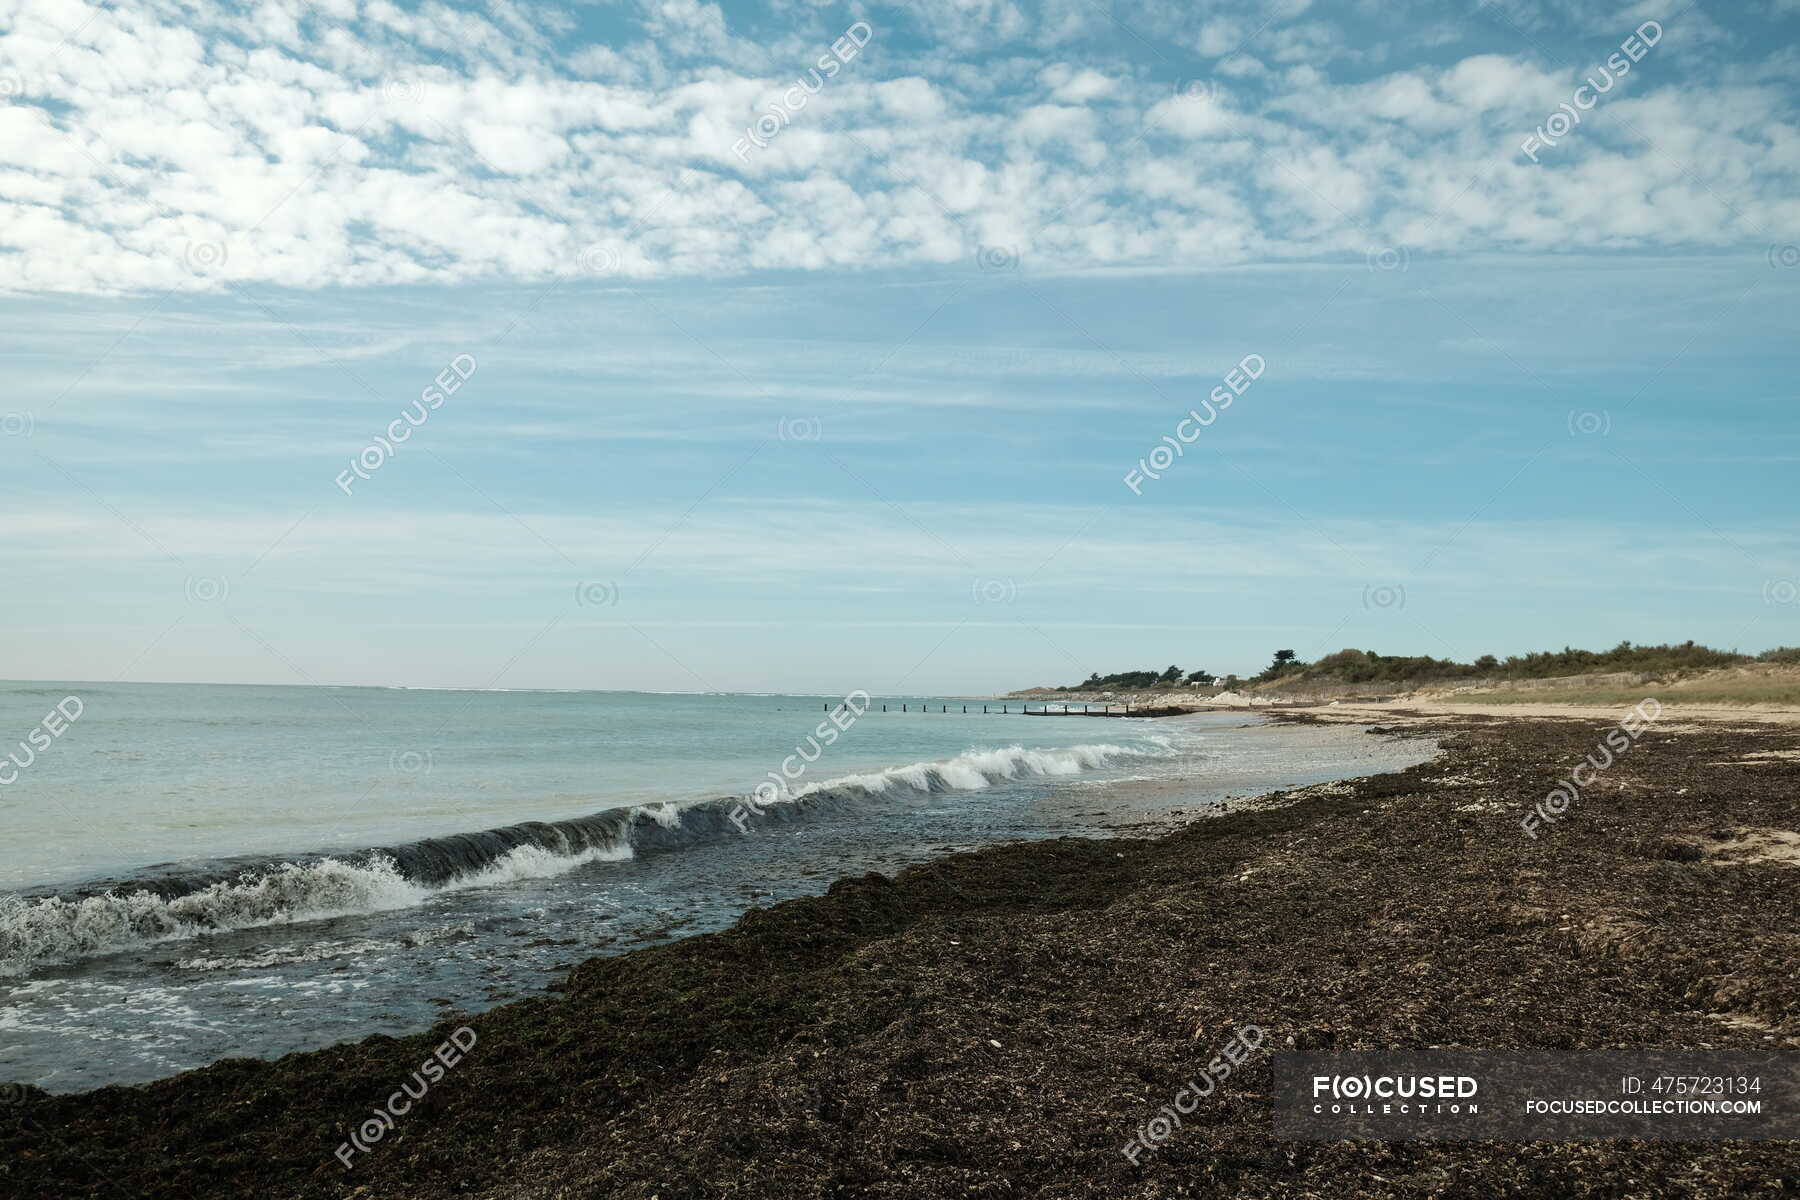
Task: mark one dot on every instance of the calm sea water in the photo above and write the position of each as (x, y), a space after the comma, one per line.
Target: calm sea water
(198, 871)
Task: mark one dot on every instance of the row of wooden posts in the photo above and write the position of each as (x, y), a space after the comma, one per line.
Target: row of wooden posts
(1044, 710)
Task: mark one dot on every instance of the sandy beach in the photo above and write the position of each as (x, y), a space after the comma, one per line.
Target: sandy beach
(1000, 1023)
(1673, 714)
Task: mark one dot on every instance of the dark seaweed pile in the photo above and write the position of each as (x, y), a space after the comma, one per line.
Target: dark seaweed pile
(998, 1024)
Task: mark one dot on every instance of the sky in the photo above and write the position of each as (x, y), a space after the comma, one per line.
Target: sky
(809, 347)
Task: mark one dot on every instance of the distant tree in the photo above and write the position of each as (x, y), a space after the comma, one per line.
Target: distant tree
(1366, 666)
(1286, 663)
(1123, 680)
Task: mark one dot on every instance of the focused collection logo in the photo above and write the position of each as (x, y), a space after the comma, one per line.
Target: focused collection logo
(1394, 1095)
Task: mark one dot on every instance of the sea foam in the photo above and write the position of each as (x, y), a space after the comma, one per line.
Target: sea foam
(35, 931)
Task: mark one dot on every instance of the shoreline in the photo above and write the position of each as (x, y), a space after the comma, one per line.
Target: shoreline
(1006, 1017)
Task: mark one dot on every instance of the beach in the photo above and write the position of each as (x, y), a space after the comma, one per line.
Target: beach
(980, 600)
(1005, 1022)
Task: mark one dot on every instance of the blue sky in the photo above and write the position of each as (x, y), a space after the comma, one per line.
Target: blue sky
(856, 407)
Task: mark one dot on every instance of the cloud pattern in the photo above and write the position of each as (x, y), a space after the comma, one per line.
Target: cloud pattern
(158, 144)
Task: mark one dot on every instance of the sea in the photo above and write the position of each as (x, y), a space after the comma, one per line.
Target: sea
(192, 872)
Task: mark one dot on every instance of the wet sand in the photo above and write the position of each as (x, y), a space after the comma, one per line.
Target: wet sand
(1000, 1023)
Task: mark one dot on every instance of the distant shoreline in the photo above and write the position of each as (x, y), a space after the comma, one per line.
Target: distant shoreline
(1764, 687)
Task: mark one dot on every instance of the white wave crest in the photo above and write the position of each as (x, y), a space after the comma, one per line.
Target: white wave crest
(973, 770)
(54, 929)
(535, 862)
(664, 814)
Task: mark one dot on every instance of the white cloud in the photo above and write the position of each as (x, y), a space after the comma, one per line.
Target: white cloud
(1070, 86)
(1192, 114)
(387, 145)
(911, 99)
(1488, 81)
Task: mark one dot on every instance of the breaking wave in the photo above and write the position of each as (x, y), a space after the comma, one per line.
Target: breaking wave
(117, 915)
(976, 769)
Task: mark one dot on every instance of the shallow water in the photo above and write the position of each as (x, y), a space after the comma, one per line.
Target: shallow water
(235, 904)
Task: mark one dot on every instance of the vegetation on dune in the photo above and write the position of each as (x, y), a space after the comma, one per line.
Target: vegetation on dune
(1130, 680)
(1623, 657)
(1352, 666)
